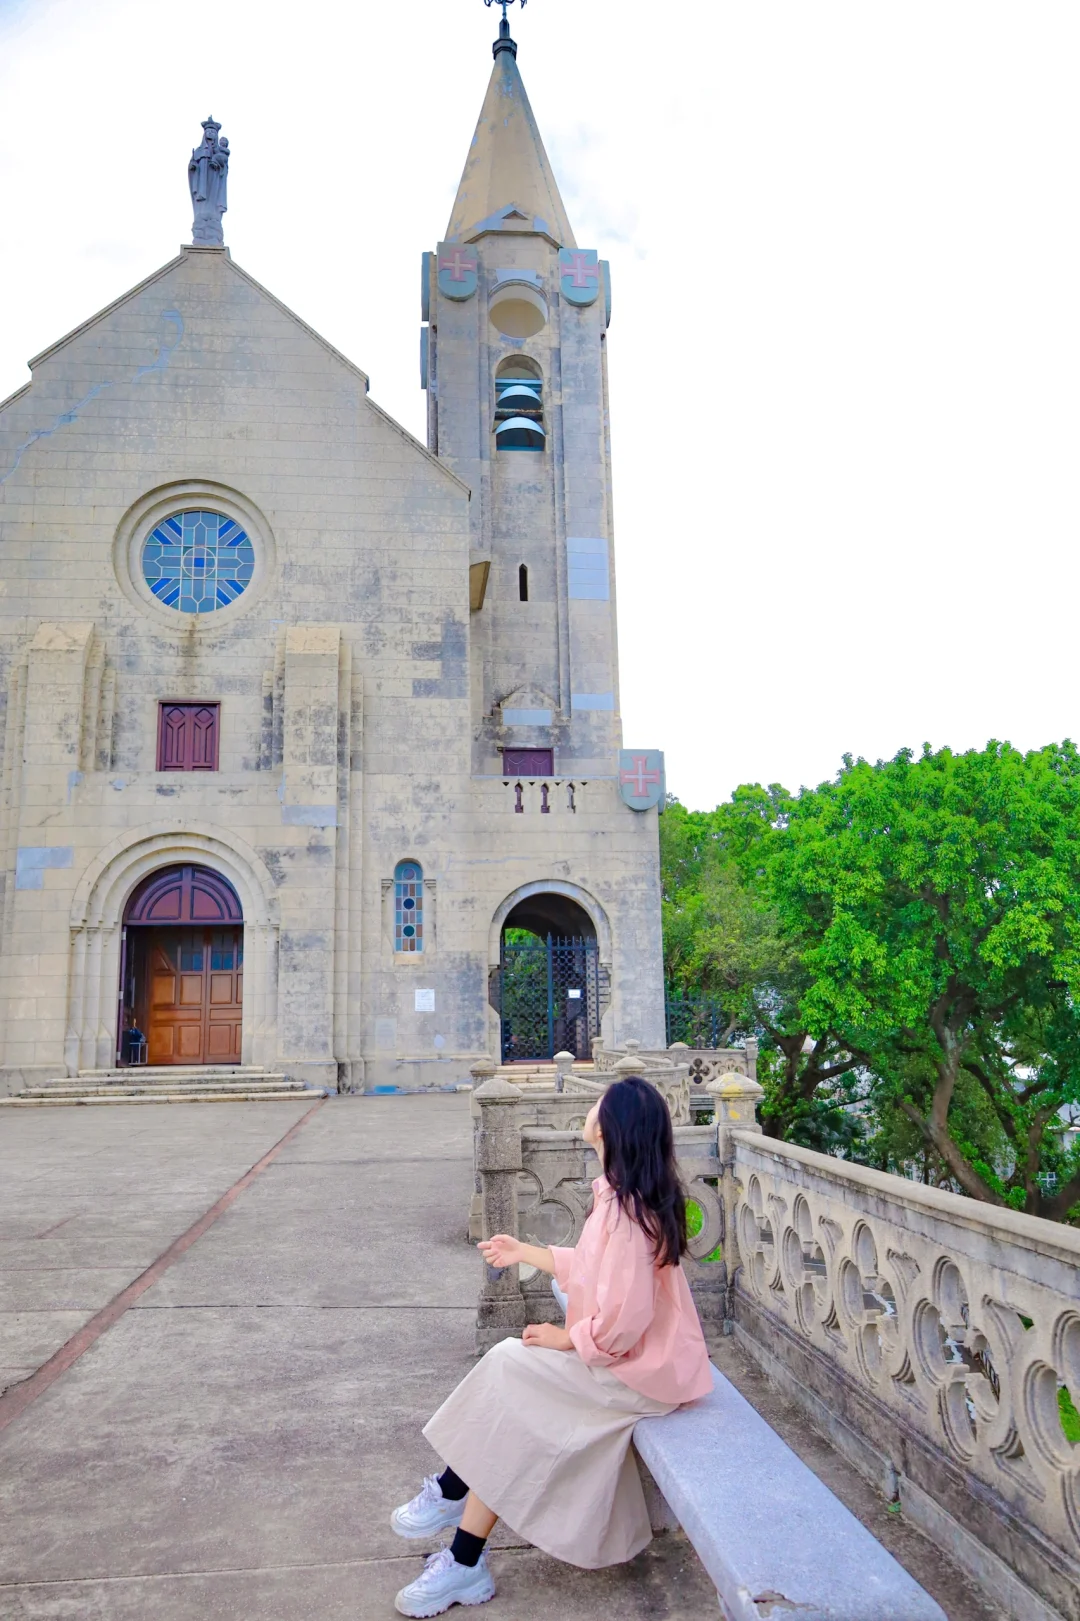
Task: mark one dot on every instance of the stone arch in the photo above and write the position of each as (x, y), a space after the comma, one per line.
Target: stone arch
(103, 890)
(97, 911)
(552, 886)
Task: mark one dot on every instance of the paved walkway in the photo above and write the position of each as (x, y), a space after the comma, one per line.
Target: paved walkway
(232, 1444)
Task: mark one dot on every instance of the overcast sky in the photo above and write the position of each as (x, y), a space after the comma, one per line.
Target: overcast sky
(845, 351)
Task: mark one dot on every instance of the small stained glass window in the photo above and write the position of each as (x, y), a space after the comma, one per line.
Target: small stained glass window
(197, 562)
(408, 906)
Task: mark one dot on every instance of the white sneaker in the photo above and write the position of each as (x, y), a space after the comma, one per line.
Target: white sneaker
(428, 1513)
(442, 1583)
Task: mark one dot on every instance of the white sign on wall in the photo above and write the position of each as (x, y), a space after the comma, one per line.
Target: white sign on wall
(425, 1001)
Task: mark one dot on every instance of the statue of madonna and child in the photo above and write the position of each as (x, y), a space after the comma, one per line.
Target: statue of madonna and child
(208, 172)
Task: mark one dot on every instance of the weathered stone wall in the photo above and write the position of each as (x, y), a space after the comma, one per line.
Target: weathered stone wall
(344, 678)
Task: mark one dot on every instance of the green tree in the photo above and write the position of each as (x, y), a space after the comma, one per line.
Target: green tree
(723, 938)
(932, 904)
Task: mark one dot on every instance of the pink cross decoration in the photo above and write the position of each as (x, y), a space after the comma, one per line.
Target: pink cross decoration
(580, 271)
(457, 264)
(639, 776)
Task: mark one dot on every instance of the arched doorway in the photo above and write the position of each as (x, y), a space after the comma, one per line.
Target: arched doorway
(548, 979)
(182, 970)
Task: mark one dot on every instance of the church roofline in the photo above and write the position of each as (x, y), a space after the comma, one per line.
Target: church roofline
(172, 264)
(345, 361)
(92, 320)
(13, 397)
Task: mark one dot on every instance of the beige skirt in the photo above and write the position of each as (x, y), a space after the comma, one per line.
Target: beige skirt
(544, 1441)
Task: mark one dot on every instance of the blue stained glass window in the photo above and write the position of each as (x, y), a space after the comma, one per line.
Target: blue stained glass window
(197, 562)
(408, 906)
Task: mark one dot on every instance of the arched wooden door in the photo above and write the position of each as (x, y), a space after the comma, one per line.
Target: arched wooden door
(183, 971)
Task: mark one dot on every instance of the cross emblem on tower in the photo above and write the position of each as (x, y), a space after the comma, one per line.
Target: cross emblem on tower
(580, 271)
(639, 777)
(458, 264)
(580, 275)
(457, 270)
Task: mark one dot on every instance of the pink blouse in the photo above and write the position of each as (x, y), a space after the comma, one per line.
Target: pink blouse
(628, 1314)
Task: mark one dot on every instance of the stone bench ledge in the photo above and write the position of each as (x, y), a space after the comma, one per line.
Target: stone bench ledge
(775, 1540)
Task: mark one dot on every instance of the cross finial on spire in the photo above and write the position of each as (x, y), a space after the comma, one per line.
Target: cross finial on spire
(504, 42)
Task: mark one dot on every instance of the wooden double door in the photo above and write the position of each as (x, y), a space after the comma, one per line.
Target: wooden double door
(192, 992)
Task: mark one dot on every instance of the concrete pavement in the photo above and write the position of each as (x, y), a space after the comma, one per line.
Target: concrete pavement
(233, 1444)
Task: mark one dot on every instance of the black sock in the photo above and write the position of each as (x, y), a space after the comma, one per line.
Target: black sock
(452, 1486)
(466, 1548)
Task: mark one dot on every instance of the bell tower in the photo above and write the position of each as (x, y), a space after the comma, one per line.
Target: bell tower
(513, 358)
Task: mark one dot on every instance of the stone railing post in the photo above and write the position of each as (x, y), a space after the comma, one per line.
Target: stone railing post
(564, 1063)
(751, 1057)
(498, 1159)
(737, 1098)
(481, 1071)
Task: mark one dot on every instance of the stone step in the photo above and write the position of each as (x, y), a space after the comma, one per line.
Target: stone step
(238, 1071)
(118, 1100)
(144, 1078)
(197, 1089)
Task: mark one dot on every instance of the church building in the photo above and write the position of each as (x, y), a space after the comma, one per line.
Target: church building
(312, 755)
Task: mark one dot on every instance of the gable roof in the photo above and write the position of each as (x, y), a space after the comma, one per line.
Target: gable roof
(235, 269)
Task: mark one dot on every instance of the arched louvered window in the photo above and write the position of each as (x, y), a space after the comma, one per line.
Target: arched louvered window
(408, 906)
(519, 405)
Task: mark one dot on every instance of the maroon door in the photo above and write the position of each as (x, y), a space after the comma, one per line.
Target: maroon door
(194, 995)
(185, 944)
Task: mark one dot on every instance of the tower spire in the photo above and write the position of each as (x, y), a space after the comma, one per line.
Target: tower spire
(504, 42)
(507, 167)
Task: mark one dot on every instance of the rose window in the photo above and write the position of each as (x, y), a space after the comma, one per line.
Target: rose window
(197, 562)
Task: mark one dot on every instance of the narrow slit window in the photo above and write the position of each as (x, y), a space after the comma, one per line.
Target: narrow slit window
(408, 906)
(523, 583)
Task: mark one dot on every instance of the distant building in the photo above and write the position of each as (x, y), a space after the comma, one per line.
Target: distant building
(302, 716)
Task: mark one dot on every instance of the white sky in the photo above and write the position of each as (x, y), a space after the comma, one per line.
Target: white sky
(845, 351)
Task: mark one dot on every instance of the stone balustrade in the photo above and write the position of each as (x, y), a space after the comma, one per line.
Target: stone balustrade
(928, 1334)
(931, 1335)
(536, 1172)
(704, 1064)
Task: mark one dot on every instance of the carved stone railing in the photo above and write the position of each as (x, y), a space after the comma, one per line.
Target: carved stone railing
(670, 1077)
(704, 1064)
(930, 1334)
(536, 1173)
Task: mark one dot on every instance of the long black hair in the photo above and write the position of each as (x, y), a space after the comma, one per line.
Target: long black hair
(639, 1164)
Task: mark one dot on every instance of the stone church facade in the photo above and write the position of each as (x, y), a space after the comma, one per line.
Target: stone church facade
(308, 726)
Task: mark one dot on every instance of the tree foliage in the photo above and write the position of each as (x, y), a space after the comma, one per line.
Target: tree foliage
(906, 942)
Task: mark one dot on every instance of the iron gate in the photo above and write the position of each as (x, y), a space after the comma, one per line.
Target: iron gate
(700, 1021)
(548, 997)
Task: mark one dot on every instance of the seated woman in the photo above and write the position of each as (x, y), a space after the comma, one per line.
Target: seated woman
(538, 1434)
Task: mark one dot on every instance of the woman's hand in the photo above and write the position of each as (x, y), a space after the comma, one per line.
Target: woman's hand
(548, 1336)
(502, 1250)
(505, 1251)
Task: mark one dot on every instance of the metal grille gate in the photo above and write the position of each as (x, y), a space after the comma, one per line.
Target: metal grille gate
(548, 997)
(700, 1021)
